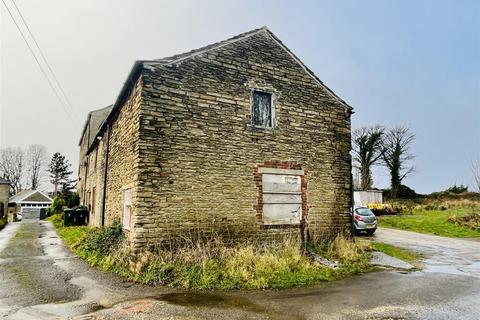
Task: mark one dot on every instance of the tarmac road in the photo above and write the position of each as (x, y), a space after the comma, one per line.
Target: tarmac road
(41, 279)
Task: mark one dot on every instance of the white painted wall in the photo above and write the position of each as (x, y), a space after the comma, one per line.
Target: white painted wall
(362, 198)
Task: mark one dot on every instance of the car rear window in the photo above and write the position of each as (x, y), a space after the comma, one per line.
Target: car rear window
(364, 212)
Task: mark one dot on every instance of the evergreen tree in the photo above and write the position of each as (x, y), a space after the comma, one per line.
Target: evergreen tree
(60, 171)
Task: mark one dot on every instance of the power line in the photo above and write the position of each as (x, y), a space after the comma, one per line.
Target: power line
(46, 62)
(38, 63)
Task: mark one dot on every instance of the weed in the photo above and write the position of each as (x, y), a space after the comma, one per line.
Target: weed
(470, 221)
(211, 264)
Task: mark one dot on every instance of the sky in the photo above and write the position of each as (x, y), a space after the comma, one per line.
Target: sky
(410, 63)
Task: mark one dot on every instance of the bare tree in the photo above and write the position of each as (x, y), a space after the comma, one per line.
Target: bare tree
(35, 164)
(367, 151)
(11, 167)
(476, 174)
(396, 155)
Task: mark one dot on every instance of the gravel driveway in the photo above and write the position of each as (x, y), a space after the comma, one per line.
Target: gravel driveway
(444, 255)
(41, 279)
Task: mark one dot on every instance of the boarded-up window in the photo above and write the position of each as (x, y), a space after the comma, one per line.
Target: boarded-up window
(127, 209)
(282, 196)
(262, 113)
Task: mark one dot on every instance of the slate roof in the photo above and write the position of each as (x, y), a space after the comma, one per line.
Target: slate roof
(4, 181)
(30, 196)
(95, 118)
(216, 45)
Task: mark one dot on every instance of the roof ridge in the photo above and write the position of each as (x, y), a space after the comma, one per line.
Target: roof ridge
(188, 54)
(308, 70)
(22, 195)
(192, 53)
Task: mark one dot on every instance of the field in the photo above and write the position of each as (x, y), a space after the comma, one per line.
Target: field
(435, 218)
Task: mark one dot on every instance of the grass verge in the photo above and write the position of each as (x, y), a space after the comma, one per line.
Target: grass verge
(3, 223)
(212, 265)
(396, 252)
(432, 222)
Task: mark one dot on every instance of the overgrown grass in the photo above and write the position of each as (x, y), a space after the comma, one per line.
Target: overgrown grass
(71, 236)
(399, 253)
(433, 221)
(213, 265)
(470, 221)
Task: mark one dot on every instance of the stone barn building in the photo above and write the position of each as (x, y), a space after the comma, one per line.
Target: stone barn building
(238, 138)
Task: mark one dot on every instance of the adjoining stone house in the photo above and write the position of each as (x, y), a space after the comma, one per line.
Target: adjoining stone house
(90, 176)
(239, 138)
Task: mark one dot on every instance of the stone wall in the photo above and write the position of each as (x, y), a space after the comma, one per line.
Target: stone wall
(199, 153)
(123, 157)
(4, 196)
(94, 183)
(82, 167)
(91, 170)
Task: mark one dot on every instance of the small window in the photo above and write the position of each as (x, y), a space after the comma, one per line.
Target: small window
(127, 209)
(93, 200)
(262, 109)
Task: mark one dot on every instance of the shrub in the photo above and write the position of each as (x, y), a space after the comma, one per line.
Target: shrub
(70, 199)
(56, 207)
(104, 240)
(404, 192)
(457, 189)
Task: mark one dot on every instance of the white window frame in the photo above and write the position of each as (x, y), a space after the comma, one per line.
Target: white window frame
(127, 209)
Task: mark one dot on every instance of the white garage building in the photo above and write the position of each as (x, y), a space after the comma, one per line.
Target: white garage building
(29, 202)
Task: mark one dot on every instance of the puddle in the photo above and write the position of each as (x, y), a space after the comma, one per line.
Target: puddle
(200, 299)
(211, 300)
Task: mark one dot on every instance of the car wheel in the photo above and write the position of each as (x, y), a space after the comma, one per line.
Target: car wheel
(370, 232)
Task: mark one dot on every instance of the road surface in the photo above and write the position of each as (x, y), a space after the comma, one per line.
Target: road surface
(41, 279)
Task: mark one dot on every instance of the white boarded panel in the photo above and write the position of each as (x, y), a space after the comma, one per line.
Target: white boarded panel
(282, 198)
(273, 183)
(282, 213)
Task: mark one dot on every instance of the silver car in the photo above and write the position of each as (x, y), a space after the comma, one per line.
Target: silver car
(364, 220)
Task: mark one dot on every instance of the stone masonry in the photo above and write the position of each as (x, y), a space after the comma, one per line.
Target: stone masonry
(4, 196)
(180, 139)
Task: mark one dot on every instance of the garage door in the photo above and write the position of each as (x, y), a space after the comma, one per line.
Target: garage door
(30, 213)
